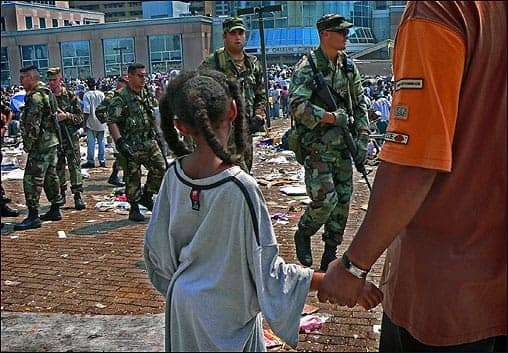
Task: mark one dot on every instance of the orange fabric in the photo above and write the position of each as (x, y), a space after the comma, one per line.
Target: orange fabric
(422, 52)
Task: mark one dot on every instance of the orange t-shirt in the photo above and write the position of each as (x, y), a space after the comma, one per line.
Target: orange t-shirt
(445, 274)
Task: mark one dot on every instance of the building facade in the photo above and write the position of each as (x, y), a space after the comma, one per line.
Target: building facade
(114, 11)
(94, 50)
(161, 9)
(21, 16)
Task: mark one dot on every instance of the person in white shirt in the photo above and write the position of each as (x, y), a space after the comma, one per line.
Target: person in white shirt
(95, 129)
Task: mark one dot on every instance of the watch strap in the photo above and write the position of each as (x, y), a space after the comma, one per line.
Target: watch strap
(352, 268)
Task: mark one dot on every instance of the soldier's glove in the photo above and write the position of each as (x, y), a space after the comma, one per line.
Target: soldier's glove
(256, 124)
(362, 143)
(341, 118)
(124, 149)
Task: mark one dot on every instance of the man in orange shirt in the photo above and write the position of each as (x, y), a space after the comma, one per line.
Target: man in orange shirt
(439, 198)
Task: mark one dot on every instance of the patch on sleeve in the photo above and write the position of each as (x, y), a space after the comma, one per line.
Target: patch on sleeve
(409, 83)
(401, 112)
(397, 137)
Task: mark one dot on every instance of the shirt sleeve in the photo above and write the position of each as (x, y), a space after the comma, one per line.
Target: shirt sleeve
(428, 65)
(157, 248)
(281, 288)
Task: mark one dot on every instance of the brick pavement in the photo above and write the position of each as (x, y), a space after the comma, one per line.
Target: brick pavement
(99, 273)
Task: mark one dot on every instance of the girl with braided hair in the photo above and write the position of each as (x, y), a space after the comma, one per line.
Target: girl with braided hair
(210, 248)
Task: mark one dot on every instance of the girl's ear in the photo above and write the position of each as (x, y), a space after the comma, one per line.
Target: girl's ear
(182, 127)
(233, 111)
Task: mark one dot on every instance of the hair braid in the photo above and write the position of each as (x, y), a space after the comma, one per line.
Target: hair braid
(168, 125)
(240, 121)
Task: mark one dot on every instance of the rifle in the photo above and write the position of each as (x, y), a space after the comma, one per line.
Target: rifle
(158, 137)
(68, 137)
(323, 92)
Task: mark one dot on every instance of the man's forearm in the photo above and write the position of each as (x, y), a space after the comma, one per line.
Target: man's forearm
(114, 131)
(391, 208)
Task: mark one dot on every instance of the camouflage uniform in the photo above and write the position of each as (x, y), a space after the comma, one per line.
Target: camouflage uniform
(252, 88)
(68, 102)
(133, 114)
(40, 140)
(327, 161)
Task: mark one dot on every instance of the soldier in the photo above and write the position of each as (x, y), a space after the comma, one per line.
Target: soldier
(5, 209)
(102, 114)
(132, 126)
(327, 160)
(40, 141)
(234, 62)
(70, 117)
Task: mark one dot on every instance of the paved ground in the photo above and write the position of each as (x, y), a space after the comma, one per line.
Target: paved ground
(89, 291)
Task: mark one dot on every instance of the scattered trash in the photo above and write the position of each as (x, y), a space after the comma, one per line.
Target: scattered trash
(364, 207)
(93, 336)
(265, 142)
(15, 174)
(11, 283)
(14, 237)
(309, 309)
(91, 221)
(100, 306)
(280, 216)
(376, 328)
(61, 234)
(294, 190)
(311, 323)
(355, 336)
(278, 160)
(85, 174)
(64, 255)
(122, 198)
(271, 341)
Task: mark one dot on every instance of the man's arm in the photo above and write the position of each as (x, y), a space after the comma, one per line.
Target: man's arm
(391, 208)
(259, 92)
(75, 115)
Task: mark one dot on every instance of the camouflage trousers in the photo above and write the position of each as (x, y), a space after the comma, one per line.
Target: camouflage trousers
(72, 159)
(151, 158)
(329, 186)
(40, 172)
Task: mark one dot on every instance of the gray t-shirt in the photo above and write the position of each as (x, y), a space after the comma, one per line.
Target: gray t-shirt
(215, 259)
(91, 101)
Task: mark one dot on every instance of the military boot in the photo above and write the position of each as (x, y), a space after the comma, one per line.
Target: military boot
(147, 200)
(31, 222)
(6, 211)
(79, 204)
(53, 214)
(115, 180)
(303, 249)
(134, 213)
(329, 255)
(61, 199)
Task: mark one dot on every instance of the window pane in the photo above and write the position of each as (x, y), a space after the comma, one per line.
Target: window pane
(165, 52)
(26, 52)
(41, 51)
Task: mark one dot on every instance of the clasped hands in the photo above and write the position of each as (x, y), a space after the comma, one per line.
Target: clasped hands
(340, 287)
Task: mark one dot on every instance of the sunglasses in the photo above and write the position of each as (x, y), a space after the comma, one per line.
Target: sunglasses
(345, 32)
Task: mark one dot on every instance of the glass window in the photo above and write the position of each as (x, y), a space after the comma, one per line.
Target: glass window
(5, 72)
(76, 59)
(112, 59)
(165, 52)
(2, 23)
(42, 22)
(28, 22)
(35, 55)
(55, 22)
(67, 23)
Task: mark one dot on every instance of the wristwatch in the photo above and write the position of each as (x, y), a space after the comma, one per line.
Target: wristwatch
(352, 268)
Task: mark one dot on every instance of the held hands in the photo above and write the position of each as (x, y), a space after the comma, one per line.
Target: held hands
(61, 115)
(341, 287)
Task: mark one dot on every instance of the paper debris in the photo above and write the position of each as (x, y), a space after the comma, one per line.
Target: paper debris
(294, 190)
(100, 306)
(271, 341)
(314, 322)
(14, 237)
(11, 283)
(61, 234)
(376, 328)
(309, 309)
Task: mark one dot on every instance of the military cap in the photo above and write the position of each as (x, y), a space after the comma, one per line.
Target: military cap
(333, 22)
(53, 72)
(232, 23)
(29, 68)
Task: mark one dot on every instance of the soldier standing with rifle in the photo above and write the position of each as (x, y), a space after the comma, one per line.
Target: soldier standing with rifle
(132, 125)
(40, 132)
(321, 132)
(234, 62)
(70, 117)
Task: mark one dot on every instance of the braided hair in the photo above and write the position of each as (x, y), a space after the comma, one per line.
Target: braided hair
(201, 99)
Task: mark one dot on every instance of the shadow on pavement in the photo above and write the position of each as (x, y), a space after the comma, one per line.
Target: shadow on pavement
(103, 227)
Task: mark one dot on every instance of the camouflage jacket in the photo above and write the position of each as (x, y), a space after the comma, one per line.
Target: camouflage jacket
(307, 109)
(251, 79)
(37, 126)
(134, 115)
(69, 103)
(101, 112)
